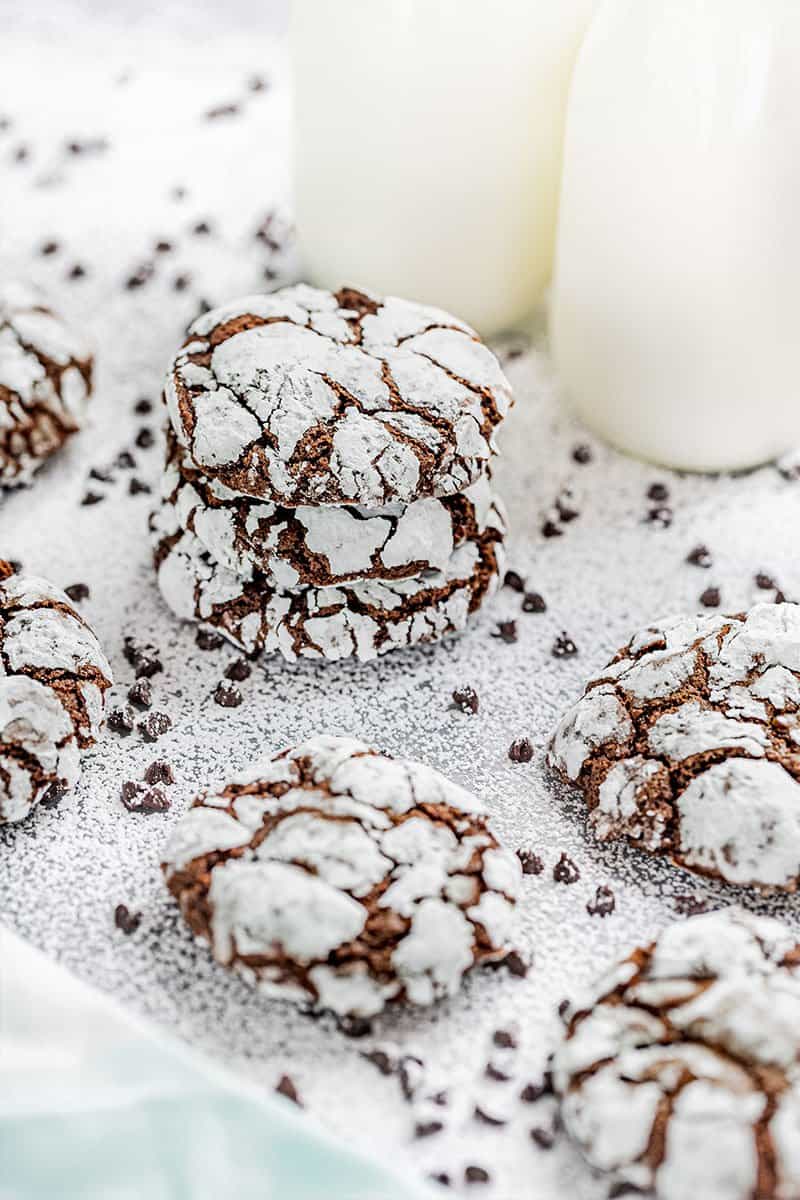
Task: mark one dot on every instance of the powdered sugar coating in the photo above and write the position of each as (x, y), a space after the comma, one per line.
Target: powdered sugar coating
(680, 1071)
(344, 878)
(45, 382)
(308, 397)
(361, 620)
(321, 545)
(687, 744)
(37, 746)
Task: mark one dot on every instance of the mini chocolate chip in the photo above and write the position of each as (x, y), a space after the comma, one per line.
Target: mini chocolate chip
(256, 83)
(355, 1027)
(101, 474)
(125, 461)
(159, 771)
(532, 1092)
(121, 720)
(506, 631)
(565, 870)
(140, 693)
(145, 438)
(543, 1138)
(207, 639)
(476, 1175)
(154, 725)
(138, 798)
(700, 556)
(238, 670)
(515, 964)
(48, 248)
(493, 1072)
(505, 1039)
(91, 498)
(710, 598)
(181, 282)
(480, 1114)
(441, 1177)
(424, 1129)
(222, 110)
(226, 696)
(54, 794)
(764, 582)
(658, 492)
(163, 246)
(286, 1087)
(514, 581)
(520, 750)
(564, 647)
(380, 1059)
(563, 1008)
(201, 228)
(531, 863)
(565, 513)
(126, 920)
(466, 700)
(138, 487)
(661, 515)
(687, 905)
(603, 904)
(143, 657)
(139, 277)
(77, 592)
(582, 454)
(179, 193)
(410, 1071)
(551, 530)
(533, 603)
(76, 271)
(143, 406)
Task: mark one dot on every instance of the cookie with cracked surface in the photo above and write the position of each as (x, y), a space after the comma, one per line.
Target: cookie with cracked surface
(306, 397)
(38, 751)
(45, 382)
(323, 545)
(344, 879)
(361, 620)
(688, 744)
(680, 1072)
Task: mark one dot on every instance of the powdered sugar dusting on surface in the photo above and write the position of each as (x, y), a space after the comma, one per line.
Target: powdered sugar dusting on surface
(611, 572)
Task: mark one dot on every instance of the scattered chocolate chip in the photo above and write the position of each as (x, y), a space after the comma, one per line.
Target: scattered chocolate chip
(101, 475)
(54, 794)
(480, 1114)
(222, 110)
(582, 454)
(137, 487)
(410, 1071)
(687, 905)
(138, 278)
(543, 1138)
(121, 720)
(138, 798)
(533, 603)
(466, 699)
(286, 1087)
(661, 515)
(227, 696)
(493, 1072)
(238, 670)
(154, 725)
(476, 1175)
(201, 228)
(515, 964)
(532, 1092)
(565, 870)
(520, 751)
(257, 83)
(179, 193)
(126, 920)
(564, 647)
(441, 1177)
(603, 904)
(380, 1059)
(143, 406)
(710, 598)
(565, 513)
(125, 461)
(506, 631)
(143, 657)
(21, 154)
(765, 582)
(514, 581)
(145, 438)
(91, 498)
(658, 492)
(551, 530)
(77, 592)
(48, 248)
(207, 639)
(424, 1129)
(505, 1039)
(700, 556)
(181, 282)
(140, 693)
(163, 246)
(76, 271)
(563, 1008)
(159, 771)
(355, 1027)
(5, 124)
(532, 864)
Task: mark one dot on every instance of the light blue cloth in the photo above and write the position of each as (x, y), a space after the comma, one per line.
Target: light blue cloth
(95, 1105)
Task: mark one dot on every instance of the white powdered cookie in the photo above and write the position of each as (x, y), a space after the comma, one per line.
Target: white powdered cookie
(323, 545)
(688, 744)
(38, 753)
(45, 382)
(344, 879)
(360, 620)
(679, 1074)
(307, 397)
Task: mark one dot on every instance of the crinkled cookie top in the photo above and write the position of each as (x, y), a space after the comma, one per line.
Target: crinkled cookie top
(303, 396)
(343, 878)
(688, 743)
(679, 1071)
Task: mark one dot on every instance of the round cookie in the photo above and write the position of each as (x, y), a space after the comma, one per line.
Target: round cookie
(361, 620)
(344, 879)
(688, 744)
(325, 545)
(306, 397)
(679, 1074)
(38, 752)
(45, 382)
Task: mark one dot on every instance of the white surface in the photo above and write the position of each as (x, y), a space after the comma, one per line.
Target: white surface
(678, 254)
(62, 873)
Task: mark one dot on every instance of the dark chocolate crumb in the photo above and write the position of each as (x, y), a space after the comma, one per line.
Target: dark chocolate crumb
(201, 228)
(480, 1114)
(765, 582)
(532, 1092)
(710, 598)
(520, 750)
(138, 487)
(563, 1008)
(533, 603)
(424, 1129)
(564, 647)
(466, 700)
(286, 1087)
(77, 592)
(140, 694)
(565, 870)
(661, 515)
(121, 720)
(138, 278)
(410, 1070)
(700, 556)
(514, 581)
(658, 492)
(54, 794)
(543, 1138)
(154, 725)
(125, 461)
(227, 696)
(355, 1027)
(181, 282)
(603, 904)
(506, 631)
(143, 406)
(145, 438)
(238, 670)
(126, 920)
(476, 1175)
(143, 657)
(441, 1177)
(222, 110)
(380, 1059)
(687, 905)
(101, 474)
(47, 248)
(565, 513)
(493, 1072)
(163, 246)
(515, 964)
(138, 798)
(159, 771)
(91, 498)
(532, 864)
(505, 1039)
(582, 454)
(551, 530)
(206, 639)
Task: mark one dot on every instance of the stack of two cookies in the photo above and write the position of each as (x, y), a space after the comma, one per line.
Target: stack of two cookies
(326, 490)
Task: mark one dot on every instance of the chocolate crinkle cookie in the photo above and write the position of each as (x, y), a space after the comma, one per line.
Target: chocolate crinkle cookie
(679, 1074)
(305, 396)
(344, 879)
(688, 744)
(53, 680)
(45, 383)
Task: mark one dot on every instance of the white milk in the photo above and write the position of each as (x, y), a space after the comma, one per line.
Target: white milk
(676, 298)
(428, 144)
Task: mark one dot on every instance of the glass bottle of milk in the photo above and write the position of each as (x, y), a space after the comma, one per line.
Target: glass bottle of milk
(428, 141)
(676, 296)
